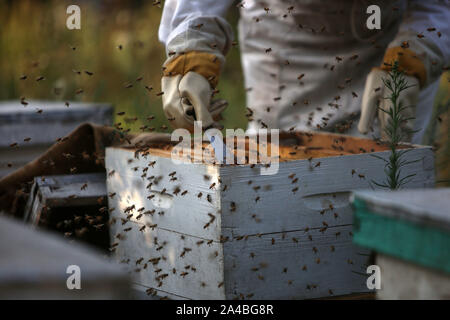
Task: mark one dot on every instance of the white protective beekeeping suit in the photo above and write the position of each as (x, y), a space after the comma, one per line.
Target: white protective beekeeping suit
(308, 64)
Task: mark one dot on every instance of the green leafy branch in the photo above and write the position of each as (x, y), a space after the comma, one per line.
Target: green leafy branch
(395, 131)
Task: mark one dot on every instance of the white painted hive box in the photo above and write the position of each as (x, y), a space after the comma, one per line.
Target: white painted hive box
(205, 231)
(43, 122)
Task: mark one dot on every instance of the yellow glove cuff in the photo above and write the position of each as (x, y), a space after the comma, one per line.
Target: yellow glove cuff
(203, 63)
(408, 63)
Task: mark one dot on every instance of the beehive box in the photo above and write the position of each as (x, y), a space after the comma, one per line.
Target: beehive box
(43, 122)
(34, 265)
(410, 232)
(207, 231)
(72, 205)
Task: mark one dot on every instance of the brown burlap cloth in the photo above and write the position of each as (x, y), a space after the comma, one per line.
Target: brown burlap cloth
(82, 151)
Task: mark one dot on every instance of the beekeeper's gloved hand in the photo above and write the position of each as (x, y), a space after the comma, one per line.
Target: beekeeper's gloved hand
(188, 84)
(375, 92)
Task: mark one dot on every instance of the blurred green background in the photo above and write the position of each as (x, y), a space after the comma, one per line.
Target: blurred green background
(34, 41)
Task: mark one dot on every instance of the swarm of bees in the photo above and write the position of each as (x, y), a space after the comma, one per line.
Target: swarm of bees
(144, 221)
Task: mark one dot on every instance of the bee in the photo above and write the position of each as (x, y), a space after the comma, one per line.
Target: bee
(40, 78)
(300, 77)
(361, 176)
(354, 94)
(273, 241)
(79, 91)
(160, 93)
(420, 36)
(111, 194)
(184, 192)
(183, 274)
(220, 284)
(88, 72)
(295, 189)
(142, 228)
(295, 240)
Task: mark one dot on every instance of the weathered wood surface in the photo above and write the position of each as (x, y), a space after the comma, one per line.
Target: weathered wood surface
(282, 222)
(33, 266)
(64, 191)
(181, 212)
(426, 206)
(407, 281)
(323, 191)
(157, 259)
(56, 120)
(292, 265)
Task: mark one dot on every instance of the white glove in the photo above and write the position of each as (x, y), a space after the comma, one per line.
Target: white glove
(187, 99)
(373, 98)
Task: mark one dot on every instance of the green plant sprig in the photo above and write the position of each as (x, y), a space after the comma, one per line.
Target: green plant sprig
(395, 131)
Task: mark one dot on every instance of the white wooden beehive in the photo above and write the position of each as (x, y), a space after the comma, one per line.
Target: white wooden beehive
(56, 120)
(282, 236)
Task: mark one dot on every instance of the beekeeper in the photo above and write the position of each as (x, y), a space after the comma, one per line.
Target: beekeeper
(308, 64)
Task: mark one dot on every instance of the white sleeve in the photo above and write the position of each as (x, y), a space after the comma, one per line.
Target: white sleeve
(429, 18)
(188, 25)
